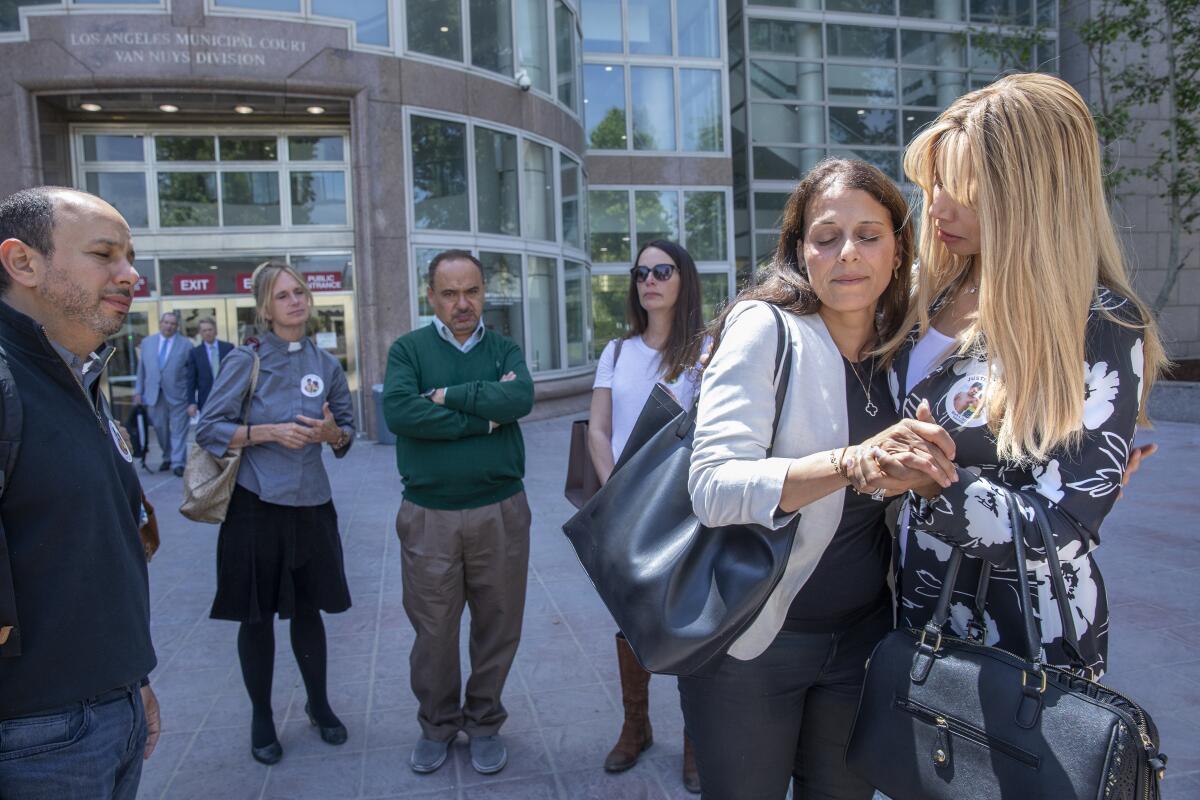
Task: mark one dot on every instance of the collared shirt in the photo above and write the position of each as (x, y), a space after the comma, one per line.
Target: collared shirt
(463, 347)
(86, 371)
(213, 355)
(164, 348)
(295, 378)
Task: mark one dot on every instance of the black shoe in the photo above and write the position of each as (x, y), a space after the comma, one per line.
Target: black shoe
(179, 472)
(165, 467)
(334, 734)
(267, 755)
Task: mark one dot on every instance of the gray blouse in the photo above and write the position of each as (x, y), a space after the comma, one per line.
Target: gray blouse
(295, 380)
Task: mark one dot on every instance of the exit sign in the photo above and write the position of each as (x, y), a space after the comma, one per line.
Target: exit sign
(195, 284)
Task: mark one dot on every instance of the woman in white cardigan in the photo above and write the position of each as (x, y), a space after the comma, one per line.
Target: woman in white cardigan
(779, 706)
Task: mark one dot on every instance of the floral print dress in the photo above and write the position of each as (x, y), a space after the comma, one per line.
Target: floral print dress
(1076, 486)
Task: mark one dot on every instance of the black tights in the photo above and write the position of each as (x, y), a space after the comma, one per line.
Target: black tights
(256, 651)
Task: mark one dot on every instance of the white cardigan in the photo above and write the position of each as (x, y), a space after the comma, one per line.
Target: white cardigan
(731, 480)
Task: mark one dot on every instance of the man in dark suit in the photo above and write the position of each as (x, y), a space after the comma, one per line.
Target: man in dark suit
(203, 364)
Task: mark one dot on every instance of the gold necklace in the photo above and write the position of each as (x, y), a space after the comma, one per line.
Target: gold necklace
(870, 408)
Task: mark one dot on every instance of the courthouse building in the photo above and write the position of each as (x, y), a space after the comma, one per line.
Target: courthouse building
(355, 138)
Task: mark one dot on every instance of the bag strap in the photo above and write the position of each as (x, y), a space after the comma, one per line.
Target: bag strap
(1058, 583)
(617, 345)
(254, 370)
(783, 370)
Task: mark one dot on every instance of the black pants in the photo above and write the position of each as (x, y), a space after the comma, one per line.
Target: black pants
(785, 715)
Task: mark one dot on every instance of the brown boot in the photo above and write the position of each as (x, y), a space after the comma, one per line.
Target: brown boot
(636, 735)
(691, 776)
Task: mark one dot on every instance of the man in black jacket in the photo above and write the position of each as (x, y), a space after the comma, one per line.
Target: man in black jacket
(77, 715)
(203, 363)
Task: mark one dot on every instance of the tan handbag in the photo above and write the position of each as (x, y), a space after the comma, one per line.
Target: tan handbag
(208, 480)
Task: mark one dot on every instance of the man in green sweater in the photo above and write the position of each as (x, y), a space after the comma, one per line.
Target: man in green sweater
(453, 394)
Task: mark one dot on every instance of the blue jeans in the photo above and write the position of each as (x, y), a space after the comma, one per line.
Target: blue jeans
(88, 752)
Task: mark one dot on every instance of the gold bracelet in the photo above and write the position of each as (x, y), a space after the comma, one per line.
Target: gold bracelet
(841, 464)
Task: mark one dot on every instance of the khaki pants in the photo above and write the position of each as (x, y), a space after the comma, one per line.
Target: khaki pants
(476, 556)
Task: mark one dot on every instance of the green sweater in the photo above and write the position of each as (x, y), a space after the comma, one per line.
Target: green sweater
(445, 454)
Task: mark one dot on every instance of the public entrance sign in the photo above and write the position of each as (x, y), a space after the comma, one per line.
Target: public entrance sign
(195, 284)
(323, 281)
(244, 283)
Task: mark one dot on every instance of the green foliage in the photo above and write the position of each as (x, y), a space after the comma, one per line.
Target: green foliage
(609, 133)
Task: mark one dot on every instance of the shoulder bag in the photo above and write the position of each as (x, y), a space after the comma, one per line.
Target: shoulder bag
(942, 717)
(679, 591)
(582, 480)
(208, 480)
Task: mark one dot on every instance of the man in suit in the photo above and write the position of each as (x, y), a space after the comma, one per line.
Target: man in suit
(162, 387)
(203, 364)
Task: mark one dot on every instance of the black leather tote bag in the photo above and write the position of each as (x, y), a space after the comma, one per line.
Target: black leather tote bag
(947, 717)
(679, 591)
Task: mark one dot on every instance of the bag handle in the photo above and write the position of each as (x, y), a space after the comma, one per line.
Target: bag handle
(1058, 583)
(254, 370)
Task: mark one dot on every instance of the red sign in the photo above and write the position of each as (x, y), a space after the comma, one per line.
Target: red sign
(244, 283)
(141, 288)
(323, 281)
(195, 284)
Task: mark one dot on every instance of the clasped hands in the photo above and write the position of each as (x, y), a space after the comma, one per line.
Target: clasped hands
(914, 454)
(303, 432)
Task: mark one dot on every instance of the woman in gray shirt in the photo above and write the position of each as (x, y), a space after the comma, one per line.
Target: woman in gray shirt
(279, 551)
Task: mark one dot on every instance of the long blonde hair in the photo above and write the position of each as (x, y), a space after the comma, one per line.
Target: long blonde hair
(1023, 154)
(265, 276)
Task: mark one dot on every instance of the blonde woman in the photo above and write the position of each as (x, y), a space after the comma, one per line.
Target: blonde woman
(278, 551)
(1027, 343)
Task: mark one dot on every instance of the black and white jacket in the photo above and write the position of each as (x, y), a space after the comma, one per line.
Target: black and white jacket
(1076, 486)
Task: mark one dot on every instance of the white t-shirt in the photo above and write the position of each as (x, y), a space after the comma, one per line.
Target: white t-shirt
(632, 382)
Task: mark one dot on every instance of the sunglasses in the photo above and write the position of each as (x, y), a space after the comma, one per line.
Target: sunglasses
(662, 272)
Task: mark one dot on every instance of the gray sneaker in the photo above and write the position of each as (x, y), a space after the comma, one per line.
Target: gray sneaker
(428, 755)
(488, 754)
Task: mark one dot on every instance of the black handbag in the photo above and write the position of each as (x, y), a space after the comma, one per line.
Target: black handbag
(679, 591)
(947, 717)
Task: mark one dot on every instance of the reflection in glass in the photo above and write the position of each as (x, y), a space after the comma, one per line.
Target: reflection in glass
(319, 198)
(435, 28)
(424, 257)
(604, 106)
(784, 163)
(787, 80)
(249, 148)
(439, 158)
(924, 9)
(768, 209)
(126, 191)
(264, 5)
(921, 87)
(704, 223)
(316, 148)
(608, 223)
(1001, 12)
(775, 122)
(250, 198)
(863, 85)
(187, 199)
(765, 245)
(113, 147)
(533, 42)
(539, 191)
(575, 285)
(502, 296)
(714, 293)
(863, 6)
(543, 314)
(491, 35)
(914, 121)
(571, 181)
(608, 310)
(657, 216)
(855, 126)
(700, 110)
(337, 263)
(699, 22)
(858, 41)
(649, 27)
(564, 39)
(934, 49)
(602, 26)
(778, 37)
(370, 17)
(185, 148)
(653, 107)
(888, 161)
(496, 202)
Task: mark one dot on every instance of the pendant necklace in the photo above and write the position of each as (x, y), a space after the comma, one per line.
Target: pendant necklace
(870, 408)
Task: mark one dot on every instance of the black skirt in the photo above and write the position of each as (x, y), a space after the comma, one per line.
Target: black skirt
(272, 558)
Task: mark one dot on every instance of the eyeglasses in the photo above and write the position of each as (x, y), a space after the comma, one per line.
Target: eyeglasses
(662, 272)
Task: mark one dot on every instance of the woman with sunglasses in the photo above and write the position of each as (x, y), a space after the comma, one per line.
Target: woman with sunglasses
(664, 345)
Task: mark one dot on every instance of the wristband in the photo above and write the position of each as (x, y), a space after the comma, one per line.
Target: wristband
(248, 439)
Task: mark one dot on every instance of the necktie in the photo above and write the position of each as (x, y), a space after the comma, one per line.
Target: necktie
(213, 361)
(164, 347)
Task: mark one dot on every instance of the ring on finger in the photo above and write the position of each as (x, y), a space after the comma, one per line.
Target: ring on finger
(879, 495)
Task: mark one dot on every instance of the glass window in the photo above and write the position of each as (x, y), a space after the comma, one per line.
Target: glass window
(888, 161)
(935, 49)
(543, 314)
(914, 121)
(922, 87)
(336, 263)
(602, 26)
(777, 37)
(784, 163)
(657, 216)
(571, 180)
(113, 147)
(776, 122)
(316, 148)
(439, 157)
(249, 148)
(370, 17)
(264, 5)
(864, 85)
(496, 202)
(699, 22)
(1001, 12)
(704, 224)
(564, 42)
(533, 42)
(185, 148)
(768, 209)
(250, 198)
(608, 223)
(992, 53)
(604, 106)
(608, 310)
(765, 245)
(575, 311)
(855, 126)
(126, 191)
(424, 310)
(502, 296)
(318, 198)
(653, 108)
(491, 35)
(540, 209)
(700, 110)
(862, 6)
(187, 199)
(650, 27)
(787, 80)
(858, 41)
(714, 293)
(926, 10)
(435, 28)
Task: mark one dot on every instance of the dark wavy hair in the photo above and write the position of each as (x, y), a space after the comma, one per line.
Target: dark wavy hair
(682, 349)
(785, 282)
